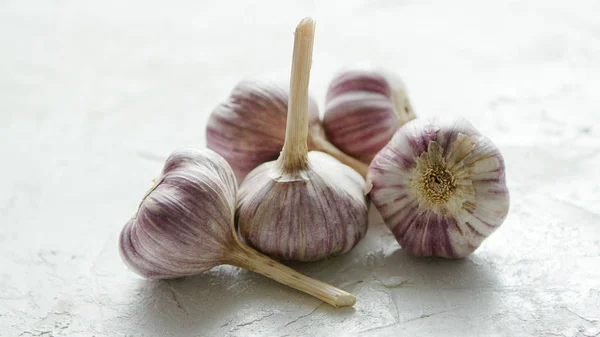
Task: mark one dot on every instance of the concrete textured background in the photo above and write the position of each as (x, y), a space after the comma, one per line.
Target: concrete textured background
(95, 95)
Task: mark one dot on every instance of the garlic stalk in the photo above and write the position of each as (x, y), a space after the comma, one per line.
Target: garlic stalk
(440, 187)
(185, 225)
(305, 205)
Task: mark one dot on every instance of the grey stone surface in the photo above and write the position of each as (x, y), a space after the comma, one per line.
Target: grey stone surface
(94, 96)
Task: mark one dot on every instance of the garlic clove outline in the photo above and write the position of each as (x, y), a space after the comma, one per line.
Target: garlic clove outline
(305, 205)
(185, 225)
(440, 187)
(364, 108)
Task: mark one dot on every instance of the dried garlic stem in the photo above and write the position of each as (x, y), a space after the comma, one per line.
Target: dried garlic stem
(246, 257)
(323, 145)
(295, 149)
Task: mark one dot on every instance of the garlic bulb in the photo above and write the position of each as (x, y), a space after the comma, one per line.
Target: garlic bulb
(364, 108)
(303, 206)
(249, 128)
(185, 225)
(440, 187)
(360, 123)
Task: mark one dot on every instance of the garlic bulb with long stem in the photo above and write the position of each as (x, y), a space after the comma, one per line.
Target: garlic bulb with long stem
(305, 205)
(248, 129)
(440, 187)
(185, 225)
(363, 110)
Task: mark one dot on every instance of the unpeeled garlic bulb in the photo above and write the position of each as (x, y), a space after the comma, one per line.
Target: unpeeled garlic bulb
(185, 225)
(249, 128)
(305, 205)
(360, 123)
(440, 187)
(307, 215)
(364, 108)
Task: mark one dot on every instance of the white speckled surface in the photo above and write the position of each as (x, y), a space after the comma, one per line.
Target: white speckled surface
(94, 96)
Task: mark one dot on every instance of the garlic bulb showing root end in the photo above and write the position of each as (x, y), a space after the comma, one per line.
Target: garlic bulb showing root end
(363, 110)
(185, 225)
(440, 187)
(305, 205)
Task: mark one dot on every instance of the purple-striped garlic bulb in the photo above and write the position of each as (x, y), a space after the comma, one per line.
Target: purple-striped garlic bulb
(440, 187)
(305, 205)
(185, 225)
(248, 129)
(363, 110)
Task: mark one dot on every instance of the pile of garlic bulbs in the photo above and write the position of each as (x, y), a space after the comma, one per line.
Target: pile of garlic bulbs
(278, 183)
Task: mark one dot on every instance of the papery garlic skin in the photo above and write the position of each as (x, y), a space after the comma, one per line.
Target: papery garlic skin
(440, 187)
(183, 225)
(400, 97)
(363, 110)
(248, 129)
(375, 80)
(317, 213)
(358, 80)
(360, 123)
